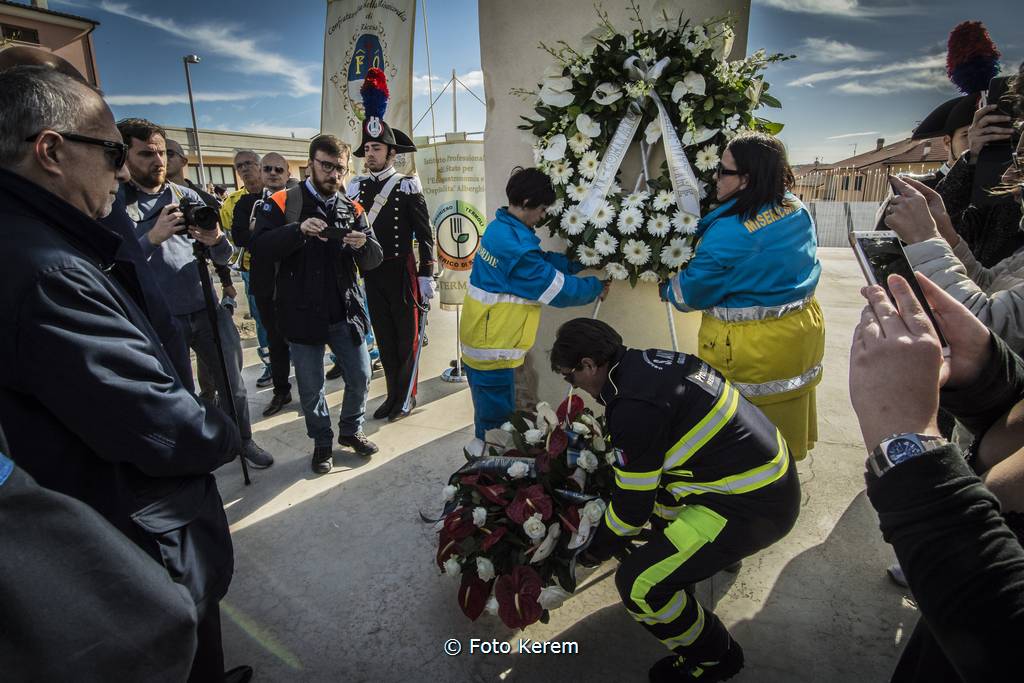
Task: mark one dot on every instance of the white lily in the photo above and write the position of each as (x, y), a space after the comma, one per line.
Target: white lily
(556, 148)
(546, 415)
(556, 98)
(698, 136)
(588, 126)
(548, 545)
(653, 131)
(552, 597)
(692, 84)
(753, 92)
(721, 44)
(607, 93)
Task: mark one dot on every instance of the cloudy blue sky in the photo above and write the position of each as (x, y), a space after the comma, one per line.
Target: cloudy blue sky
(865, 69)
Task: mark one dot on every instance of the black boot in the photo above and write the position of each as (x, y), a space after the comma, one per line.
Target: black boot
(676, 668)
(383, 410)
(334, 372)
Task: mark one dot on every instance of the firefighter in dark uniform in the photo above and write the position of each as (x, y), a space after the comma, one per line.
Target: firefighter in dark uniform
(397, 291)
(709, 472)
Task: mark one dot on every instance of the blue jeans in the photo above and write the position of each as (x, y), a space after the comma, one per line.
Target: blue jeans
(494, 397)
(254, 311)
(308, 360)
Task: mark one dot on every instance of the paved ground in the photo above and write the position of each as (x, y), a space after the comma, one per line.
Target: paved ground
(335, 579)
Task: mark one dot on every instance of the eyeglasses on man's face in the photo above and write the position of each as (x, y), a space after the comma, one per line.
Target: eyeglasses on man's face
(273, 169)
(331, 167)
(116, 152)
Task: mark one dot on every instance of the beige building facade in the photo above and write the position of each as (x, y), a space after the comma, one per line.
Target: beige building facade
(66, 35)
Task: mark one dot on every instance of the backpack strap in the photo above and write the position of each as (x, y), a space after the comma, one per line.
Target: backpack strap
(293, 204)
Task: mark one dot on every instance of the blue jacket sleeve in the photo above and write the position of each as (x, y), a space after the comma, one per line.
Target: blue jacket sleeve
(562, 262)
(534, 277)
(703, 284)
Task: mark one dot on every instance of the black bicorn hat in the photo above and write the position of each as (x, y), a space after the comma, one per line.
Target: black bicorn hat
(375, 129)
(946, 118)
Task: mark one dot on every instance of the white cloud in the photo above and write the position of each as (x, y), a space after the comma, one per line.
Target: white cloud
(829, 51)
(843, 8)
(852, 135)
(471, 79)
(924, 79)
(178, 98)
(267, 128)
(917, 64)
(221, 40)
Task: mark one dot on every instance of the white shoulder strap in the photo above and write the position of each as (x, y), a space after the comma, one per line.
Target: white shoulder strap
(382, 197)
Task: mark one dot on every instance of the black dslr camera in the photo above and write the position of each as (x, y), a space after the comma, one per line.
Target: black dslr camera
(339, 222)
(197, 214)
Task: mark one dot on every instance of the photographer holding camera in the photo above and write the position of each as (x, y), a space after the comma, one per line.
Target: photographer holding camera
(172, 222)
(320, 237)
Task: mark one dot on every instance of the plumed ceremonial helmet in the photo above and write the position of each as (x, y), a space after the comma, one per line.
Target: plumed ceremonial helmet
(375, 103)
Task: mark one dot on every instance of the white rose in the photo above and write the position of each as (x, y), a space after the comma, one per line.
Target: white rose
(588, 126)
(534, 527)
(452, 566)
(448, 493)
(587, 460)
(594, 510)
(518, 470)
(508, 427)
(484, 568)
(580, 428)
(552, 597)
(492, 606)
(479, 516)
(534, 436)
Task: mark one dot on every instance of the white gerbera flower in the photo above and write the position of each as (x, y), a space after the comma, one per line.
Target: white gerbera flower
(684, 222)
(589, 163)
(635, 199)
(676, 253)
(663, 200)
(629, 221)
(579, 143)
(659, 225)
(616, 271)
(614, 189)
(603, 216)
(707, 158)
(588, 256)
(572, 221)
(605, 244)
(560, 172)
(588, 126)
(577, 192)
(557, 207)
(637, 252)
(648, 276)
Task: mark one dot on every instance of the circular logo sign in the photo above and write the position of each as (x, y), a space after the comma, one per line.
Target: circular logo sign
(459, 226)
(373, 127)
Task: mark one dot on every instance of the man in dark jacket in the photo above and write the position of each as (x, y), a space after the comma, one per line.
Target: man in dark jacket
(319, 237)
(92, 405)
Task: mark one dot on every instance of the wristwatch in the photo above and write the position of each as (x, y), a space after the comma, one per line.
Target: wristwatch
(899, 448)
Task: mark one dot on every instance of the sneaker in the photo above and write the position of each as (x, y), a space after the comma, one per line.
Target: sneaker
(266, 379)
(334, 372)
(256, 456)
(277, 403)
(896, 575)
(676, 668)
(323, 459)
(359, 443)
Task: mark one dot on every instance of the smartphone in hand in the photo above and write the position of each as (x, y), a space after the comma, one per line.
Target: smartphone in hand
(880, 254)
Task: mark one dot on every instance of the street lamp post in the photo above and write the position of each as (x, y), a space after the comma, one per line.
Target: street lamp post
(194, 59)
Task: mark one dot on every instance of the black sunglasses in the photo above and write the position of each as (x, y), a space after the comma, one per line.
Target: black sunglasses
(273, 169)
(722, 170)
(116, 152)
(331, 167)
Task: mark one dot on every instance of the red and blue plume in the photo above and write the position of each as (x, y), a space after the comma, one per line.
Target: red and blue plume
(972, 59)
(375, 93)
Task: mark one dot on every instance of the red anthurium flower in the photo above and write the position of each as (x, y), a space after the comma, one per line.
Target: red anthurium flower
(570, 411)
(459, 524)
(543, 463)
(570, 519)
(528, 501)
(446, 547)
(492, 536)
(558, 442)
(517, 594)
(492, 492)
(473, 594)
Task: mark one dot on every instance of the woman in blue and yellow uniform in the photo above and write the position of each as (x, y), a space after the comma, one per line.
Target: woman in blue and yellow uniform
(753, 275)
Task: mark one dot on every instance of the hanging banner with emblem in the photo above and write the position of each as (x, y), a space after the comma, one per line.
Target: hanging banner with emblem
(452, 174)
(360, 35)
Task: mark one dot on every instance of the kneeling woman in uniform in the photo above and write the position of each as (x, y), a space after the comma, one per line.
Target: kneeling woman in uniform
(753, 275)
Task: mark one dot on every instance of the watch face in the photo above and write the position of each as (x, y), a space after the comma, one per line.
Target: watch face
(901, 449)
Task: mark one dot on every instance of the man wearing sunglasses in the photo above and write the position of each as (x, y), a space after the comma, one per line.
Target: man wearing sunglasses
(152, 202)
(90, 402)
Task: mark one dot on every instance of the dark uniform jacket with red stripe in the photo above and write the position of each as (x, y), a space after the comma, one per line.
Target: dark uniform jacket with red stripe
(403, 217)
(316, 281)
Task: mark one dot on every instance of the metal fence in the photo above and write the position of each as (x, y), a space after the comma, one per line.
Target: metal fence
(834, 220)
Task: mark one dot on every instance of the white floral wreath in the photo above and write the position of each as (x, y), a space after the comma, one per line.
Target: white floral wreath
(641, 235)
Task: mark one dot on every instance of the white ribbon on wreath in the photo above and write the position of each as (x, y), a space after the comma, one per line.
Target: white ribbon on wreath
(684, 181)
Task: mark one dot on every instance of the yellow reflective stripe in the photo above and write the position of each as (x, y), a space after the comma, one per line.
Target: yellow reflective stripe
(696, 526)
(618, 527)
(670, 612)
(666, 512)
(751, 480)
(690, 635)
(702, 432)
(637, 481)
